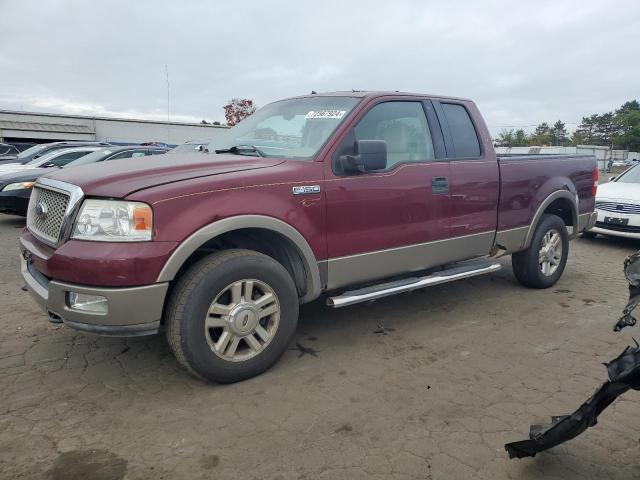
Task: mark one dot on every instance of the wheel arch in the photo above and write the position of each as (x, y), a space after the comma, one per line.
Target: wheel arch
(267, 235)
(562, 203)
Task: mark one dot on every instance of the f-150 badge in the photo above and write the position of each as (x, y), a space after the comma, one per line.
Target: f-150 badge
(306, 189)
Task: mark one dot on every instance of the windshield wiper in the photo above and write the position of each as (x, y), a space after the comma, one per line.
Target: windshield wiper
(238, 149)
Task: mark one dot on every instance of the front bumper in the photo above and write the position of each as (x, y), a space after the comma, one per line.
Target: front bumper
(15, 202)
(131, 311)
(630, 230)
(615, 233)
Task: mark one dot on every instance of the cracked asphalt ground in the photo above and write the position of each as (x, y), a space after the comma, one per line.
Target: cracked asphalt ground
(450, 374)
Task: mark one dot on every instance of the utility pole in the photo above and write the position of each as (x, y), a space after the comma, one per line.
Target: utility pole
(166, 69)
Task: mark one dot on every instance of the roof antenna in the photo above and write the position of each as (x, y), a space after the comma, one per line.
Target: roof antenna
(313, 92)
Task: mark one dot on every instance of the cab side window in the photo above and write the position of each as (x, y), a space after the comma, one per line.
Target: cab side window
(404, 128)
(463, 134)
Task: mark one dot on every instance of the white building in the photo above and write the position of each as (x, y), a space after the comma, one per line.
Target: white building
(48, 127)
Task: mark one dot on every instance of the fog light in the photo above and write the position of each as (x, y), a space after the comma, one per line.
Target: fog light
(87, 303)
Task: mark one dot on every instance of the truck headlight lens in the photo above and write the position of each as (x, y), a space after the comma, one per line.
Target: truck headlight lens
(113, 221)
(18, 186)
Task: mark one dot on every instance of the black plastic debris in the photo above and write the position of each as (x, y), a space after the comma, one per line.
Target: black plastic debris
(624, 374)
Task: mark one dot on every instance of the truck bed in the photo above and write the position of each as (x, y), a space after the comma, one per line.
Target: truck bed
(526, 180)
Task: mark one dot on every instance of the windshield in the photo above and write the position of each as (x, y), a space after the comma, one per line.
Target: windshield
(92, 157)
(43, 159)
(295, 128)
(187, 148)
(31, 150)
(59, 158)
(630, 176)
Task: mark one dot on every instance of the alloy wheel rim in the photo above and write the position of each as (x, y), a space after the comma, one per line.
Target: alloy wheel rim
(242, 320)
(550, 253)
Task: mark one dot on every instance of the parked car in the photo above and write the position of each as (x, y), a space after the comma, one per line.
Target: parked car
(37, 151)
(22, 146)
(16, 187)
(192, 146)
(55, 158)
(8, 151)
(618, 206)
(355, 195)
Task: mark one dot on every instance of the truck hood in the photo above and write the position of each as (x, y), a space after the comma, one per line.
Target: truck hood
(619, 191)
(120, 178)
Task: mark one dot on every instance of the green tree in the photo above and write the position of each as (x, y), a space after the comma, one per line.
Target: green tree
(606, 129)
(541, 135)
(585, 133)
(597, 129)
(505, 138)
(627, 121)
(627, 107)
(576, 138)
(521, 139)
(559, 134)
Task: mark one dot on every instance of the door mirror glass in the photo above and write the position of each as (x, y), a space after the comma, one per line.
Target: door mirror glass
(370, 155)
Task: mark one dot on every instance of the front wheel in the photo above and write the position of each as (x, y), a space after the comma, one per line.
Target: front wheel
(231, 315)
(542, 264)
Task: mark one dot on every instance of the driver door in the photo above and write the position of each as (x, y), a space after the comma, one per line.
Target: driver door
(390, 221)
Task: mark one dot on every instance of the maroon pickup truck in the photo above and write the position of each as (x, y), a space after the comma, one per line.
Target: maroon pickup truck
(355, 195)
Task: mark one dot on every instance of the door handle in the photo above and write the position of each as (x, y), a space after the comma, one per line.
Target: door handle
(439, 185)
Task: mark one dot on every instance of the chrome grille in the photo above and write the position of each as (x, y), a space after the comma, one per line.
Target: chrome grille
(629, 208)
(46, 213)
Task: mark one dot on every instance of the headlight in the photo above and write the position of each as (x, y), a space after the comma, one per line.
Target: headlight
(113, 221)
(18, 186)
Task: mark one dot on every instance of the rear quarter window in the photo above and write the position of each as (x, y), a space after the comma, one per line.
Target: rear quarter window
(463, 134)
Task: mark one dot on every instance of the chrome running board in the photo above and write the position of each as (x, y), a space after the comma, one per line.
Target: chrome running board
(408, 284)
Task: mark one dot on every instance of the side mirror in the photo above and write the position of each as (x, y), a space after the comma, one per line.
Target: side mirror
(611, 179)
(369, 155)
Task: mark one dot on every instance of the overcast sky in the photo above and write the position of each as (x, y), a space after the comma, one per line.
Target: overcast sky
(522, 62)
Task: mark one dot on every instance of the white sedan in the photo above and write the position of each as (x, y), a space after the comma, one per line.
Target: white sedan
(618, 206)
(55, 158)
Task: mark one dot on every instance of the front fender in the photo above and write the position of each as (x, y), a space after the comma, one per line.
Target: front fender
(215, 229)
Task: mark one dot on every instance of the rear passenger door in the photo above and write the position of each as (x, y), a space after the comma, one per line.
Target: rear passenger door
(389, 221)
(474, 181)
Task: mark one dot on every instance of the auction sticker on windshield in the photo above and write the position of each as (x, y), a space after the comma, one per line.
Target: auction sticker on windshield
(325, 114)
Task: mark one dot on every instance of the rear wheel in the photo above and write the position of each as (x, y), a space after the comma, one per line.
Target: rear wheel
(231, 315)
(542, 264)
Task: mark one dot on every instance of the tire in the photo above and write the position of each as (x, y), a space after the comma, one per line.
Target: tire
(195, 327)
(527, 265)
